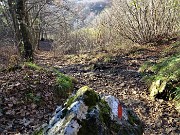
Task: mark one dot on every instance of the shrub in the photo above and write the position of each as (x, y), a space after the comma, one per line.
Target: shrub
(64, 85)
(146, 21)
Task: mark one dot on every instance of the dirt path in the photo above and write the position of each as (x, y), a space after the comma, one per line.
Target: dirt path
(120, 77)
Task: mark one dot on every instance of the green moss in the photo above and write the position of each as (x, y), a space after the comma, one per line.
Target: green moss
(177, 97)
(157, 86)
(90, 97)
(115, 127)
(65, 81)
(64, 85)
(89, 127)
(32, 65)
(168, 68)
(177, 93)
(132, 118)
(146, 67)
(70, 100)
(135, 123)
(164, 77)
(173, 49)
(104, 112)
(38, 132)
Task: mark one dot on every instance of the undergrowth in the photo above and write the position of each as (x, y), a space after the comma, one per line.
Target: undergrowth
(164, 78)
(32, 65)
(64, 84)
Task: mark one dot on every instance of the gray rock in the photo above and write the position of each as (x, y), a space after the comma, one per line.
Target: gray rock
(87, 113)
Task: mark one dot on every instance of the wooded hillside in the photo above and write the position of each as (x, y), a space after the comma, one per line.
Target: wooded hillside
(128, 50)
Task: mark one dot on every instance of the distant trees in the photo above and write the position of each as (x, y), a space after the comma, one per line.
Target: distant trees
(25, 17)
(5, 23)
(25, 22)
(141, 21)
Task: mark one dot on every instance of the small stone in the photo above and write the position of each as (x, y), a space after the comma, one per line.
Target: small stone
(17, 84)
(10, 105)
(33, 106)
(10, 112)
(134, 92)
(160, 100)
(122, 84)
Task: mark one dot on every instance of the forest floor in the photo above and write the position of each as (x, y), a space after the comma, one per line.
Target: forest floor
(116, 75)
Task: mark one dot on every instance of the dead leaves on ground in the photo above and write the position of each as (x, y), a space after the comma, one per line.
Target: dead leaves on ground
(26, 100)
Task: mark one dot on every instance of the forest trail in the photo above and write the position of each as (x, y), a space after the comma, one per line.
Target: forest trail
(106, 73)
(123, 38)
(120, 77)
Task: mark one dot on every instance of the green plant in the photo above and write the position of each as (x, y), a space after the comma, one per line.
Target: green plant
(32, 65)
(177, 97)
(177, 93)
(90, 96)
(38, 132)
(146, 67)
(165, 77)
(64, 84)
(107, 59)
(33, 98)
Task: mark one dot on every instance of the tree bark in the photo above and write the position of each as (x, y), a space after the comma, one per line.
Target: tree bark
(22, 29)
(12, 12)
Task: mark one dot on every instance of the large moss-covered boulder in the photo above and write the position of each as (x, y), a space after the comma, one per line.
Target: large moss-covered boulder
(87, 113)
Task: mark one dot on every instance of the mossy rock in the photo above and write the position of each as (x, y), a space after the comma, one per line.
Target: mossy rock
(164, 78)
(85, 93)
(105, 111)
(38, 132)
(89, 126)
(87, 113)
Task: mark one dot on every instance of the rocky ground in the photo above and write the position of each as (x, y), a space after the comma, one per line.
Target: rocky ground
(117, 75)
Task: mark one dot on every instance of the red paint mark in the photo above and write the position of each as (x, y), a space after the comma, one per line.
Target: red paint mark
(119, 111)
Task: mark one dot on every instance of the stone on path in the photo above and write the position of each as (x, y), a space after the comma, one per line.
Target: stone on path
(87, 113)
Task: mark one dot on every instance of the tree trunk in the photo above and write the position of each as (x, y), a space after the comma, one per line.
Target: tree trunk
(22, 29)
(12, 10)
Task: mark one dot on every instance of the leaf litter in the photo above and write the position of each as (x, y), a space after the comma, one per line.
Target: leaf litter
(26, 96)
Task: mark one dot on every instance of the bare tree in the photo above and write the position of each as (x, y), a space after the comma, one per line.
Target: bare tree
(24, 14)
(146, 21)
